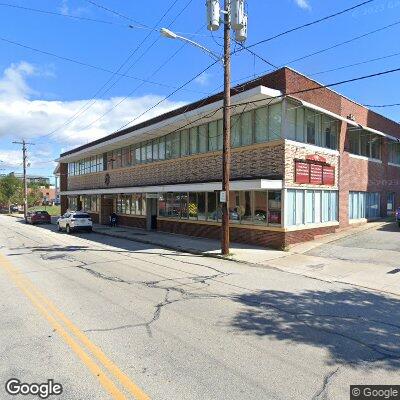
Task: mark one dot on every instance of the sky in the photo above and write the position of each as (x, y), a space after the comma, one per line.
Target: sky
(58, 89)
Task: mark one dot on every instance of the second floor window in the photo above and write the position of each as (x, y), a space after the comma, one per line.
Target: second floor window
(364, 143)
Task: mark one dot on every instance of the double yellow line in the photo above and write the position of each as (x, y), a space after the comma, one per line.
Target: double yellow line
(90, 354)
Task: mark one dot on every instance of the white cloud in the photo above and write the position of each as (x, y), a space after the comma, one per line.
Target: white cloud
(22, 117)
(203, 79)
(303, 4)
(64, 9)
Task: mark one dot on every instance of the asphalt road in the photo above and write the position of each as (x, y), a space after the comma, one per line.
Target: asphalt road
(114, 319)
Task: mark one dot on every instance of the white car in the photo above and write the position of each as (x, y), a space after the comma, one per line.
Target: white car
(75, 221)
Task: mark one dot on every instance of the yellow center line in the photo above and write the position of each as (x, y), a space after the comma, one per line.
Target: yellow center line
(39, 300)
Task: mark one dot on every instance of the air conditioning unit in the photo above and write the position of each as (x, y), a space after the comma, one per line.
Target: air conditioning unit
(213, 15)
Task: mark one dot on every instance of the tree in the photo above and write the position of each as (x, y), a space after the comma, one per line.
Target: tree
(11, 190)
(35, 196)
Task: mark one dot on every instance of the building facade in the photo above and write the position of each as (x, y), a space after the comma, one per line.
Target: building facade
(305, 162)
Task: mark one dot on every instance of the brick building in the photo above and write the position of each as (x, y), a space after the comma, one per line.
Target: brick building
(305, 161)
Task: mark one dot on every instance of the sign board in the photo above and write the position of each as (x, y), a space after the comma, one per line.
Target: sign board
(316, 157)
(302, 172)
(222, 196)
(316, 174)
(328, 175)
(151, 195)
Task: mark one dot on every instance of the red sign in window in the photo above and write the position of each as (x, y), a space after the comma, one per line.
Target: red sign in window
(316, 174)
(302, 171)
(328, 175)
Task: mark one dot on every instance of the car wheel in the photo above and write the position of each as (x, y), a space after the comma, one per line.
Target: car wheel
(68, 229)
(89, 229)
(59, 228)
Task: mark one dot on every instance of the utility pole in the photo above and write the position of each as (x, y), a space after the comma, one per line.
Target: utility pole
(234, 17)
(24, 158)
(226, 149)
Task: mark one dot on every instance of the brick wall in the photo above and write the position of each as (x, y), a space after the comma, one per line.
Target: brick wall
(261, 160)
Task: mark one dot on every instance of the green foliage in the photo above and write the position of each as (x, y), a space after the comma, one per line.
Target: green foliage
(34, 196)
(11, 190)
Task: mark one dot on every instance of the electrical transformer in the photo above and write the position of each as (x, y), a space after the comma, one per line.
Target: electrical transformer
(213, 15)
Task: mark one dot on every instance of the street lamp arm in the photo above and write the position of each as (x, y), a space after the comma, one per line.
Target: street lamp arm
(172, 35)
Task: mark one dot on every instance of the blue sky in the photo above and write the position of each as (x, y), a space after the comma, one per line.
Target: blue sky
(39, 92)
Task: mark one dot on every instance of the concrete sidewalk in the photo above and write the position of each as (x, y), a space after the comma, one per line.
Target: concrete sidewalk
(298, 260)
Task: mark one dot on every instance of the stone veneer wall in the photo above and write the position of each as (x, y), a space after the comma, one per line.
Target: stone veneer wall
(300, 151)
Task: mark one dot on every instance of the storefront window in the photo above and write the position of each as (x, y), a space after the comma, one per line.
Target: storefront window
(162, 205)
(260, 207)
(201, 206)
(274, 207)
(310, 206)
(212, 206)
(193, 208)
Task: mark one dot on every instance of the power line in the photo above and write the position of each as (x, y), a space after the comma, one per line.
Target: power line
(154, 73)
(76, 17)
(330, 48)
(84, 64)
(343, 43)
(93, 100)
(291, 30)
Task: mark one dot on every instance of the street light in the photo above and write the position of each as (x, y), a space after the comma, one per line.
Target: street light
(172, 35)
(233, 16)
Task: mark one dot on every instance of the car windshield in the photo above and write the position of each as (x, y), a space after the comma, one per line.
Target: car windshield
(42, 213)
(81, 216)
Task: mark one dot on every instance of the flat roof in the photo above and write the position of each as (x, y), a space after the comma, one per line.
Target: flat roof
(241, 92)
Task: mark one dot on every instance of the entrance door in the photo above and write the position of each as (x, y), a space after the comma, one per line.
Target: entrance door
(107, 208)
(151, 207)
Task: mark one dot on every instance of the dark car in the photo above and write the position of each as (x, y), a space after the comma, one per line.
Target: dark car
(38, 217)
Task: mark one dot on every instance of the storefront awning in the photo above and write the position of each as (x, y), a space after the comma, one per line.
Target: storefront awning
(248, 184)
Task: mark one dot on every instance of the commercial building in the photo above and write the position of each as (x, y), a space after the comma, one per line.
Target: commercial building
(305, 162)
(31, 179)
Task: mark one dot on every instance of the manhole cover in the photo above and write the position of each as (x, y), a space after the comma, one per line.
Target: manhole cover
(394, 271)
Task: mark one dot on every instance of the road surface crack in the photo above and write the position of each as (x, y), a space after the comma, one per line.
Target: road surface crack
(322, 394)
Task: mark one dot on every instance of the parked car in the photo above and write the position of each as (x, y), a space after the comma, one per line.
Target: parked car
(398, 216)
(38, 217)
(75, 221)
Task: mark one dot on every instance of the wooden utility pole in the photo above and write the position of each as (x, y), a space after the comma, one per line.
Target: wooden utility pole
(24, 159)
(226, 150)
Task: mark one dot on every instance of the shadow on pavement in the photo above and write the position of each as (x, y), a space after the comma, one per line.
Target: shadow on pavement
(354, 326)
(390, 227)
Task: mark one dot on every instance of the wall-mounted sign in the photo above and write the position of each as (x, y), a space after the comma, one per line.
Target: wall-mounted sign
(328, 175)
(314, 171)
(316, 157)
(302, 172)
(316, 174)
(222, 196)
